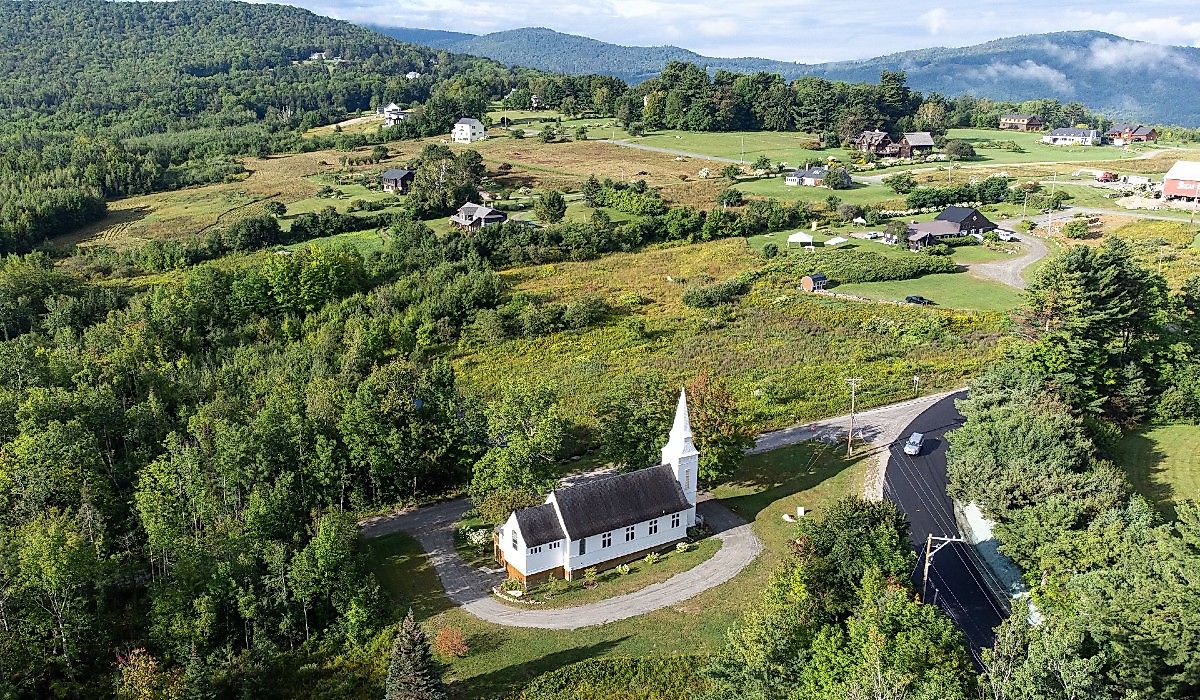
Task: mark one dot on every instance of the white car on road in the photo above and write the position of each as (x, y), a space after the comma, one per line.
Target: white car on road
(913, 445)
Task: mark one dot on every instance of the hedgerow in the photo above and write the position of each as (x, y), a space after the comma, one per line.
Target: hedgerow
(854, 266)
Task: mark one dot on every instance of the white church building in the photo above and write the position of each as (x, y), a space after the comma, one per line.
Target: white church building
(607, 521)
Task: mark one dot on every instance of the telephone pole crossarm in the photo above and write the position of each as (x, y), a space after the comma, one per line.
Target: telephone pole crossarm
(931, 550)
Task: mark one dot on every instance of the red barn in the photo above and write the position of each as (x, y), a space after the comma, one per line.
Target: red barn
(1182, 180)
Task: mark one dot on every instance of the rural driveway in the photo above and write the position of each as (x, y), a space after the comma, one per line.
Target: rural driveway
(1012, 271)
(876, 426)
(433, 526)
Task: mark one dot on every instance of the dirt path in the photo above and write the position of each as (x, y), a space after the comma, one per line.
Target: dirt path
(672, 151)
(1012, 271)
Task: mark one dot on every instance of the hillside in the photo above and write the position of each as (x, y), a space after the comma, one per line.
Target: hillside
(1106, 72)
(100, 63)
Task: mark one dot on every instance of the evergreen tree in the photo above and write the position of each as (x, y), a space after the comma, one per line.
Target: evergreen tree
(412, 674)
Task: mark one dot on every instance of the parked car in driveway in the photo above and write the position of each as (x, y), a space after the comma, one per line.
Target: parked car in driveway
(913, 445)
(917, 299)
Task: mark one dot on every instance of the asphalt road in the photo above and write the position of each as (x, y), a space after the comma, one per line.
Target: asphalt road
(958, 578)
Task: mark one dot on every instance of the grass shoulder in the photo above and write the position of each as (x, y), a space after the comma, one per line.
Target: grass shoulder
(1163, 464)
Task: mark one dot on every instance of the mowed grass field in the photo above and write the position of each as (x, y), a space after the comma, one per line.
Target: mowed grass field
(502, 659)
(1163, 463)
(956, 291)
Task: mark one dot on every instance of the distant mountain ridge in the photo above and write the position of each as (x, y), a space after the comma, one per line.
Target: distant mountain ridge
(1123, 78)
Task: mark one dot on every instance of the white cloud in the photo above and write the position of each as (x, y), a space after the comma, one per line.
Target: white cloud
(1025, 70)
(935, 20)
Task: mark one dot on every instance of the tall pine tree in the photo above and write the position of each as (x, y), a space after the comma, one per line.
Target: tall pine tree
(412, 673)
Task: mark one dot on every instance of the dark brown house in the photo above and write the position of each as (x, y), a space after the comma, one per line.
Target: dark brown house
(918, 143)
(877, 142)
(1021, 122)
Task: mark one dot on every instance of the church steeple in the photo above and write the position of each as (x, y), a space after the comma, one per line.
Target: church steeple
(680, 452)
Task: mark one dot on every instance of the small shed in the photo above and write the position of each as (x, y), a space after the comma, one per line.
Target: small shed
(813, 282)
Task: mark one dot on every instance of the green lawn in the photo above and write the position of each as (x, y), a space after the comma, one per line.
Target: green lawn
(861, 193)
(1033, 150)
(1163, 464)
(975, 254)
(955, 291)
(502, 659)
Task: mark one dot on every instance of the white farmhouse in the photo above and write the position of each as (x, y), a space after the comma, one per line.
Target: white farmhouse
(468, 130)
(393, 115)
(607, 521)
(1072, 136)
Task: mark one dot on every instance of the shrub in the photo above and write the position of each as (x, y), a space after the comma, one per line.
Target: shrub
(711, 295)
(556, 585)
(643, 678)
(936, 249)
(479, 537)
(623, 569)
(901, 183)
(496, 506)
(652, 558)
(1076, 228)
(684, 547)
(957, 148)
(450, 642)
(510, 584)
(770, 250)
(591, 577)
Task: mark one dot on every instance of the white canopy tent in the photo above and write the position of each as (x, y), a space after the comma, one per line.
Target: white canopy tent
(801, 238)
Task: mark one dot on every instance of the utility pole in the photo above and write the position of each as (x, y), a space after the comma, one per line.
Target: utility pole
(916, 385)
(853, 404)
(929, 552)
(743, 158)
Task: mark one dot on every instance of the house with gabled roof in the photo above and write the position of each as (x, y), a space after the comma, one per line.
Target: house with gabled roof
(396, 180)
(807, 177)
(1072, 136)
(468, 130)
(877, 142)
(607, 521)
(917, 143)
(472, 216)
(1121, 134)
(1021, 122)
(393, 114)
(953, 222)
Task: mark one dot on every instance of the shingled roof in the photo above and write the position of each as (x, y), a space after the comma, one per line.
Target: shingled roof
(539, 525)
(611, 503)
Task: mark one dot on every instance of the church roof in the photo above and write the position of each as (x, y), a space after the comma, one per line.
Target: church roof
(539, 525)
(614, 502)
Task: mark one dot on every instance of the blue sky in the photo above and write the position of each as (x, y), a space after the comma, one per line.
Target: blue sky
(792, 30)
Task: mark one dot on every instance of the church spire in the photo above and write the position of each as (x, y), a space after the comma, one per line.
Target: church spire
(682, 428)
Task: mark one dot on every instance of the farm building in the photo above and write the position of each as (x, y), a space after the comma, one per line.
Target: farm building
(877, 142)
(1021, 122)
(396, 180)
(1072, 136)
(808, 177)
(472, 217)
(468, 130)
(607, 521)
(919, 143)
(1121, 134)
(1182, 180)
(813, 282)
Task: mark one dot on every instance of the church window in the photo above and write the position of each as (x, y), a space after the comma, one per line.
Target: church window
(583, 546)
(674, 521)
(629, 535)
(606, 539)
(535, 550)
(555, 545)
(514, 539)
(653, 528)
